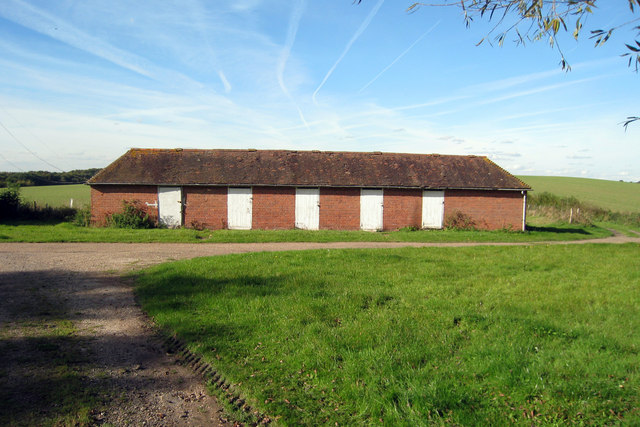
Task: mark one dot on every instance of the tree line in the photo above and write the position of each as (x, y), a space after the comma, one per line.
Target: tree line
(33, 178)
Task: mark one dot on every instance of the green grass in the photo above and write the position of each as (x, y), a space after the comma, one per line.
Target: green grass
(463, 336)
(58, 195)
(67, 232)
(612, 195)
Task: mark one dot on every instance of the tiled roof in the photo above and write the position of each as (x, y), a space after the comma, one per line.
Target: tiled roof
(305, 168)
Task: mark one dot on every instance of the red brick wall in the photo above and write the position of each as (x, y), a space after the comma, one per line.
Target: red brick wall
(205, 207)
(402, 208)
(340, 208)
(274, 208)
(489, 209)
(108, 199)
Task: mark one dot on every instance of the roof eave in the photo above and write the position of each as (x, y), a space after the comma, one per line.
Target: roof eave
(165, 184)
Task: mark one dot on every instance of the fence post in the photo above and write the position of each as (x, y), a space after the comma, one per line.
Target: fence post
(571, 216)
(71, 203)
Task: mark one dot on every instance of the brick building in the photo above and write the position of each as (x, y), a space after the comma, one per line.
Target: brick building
(279, 189)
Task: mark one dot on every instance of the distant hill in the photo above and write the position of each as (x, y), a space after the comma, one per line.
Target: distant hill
(612, 195)
(39, 178)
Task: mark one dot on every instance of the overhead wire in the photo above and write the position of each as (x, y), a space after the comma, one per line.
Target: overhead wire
(28, 149)
(11, 163)
(25, 128)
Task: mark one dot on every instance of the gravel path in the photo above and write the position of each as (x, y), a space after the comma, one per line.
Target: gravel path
(113, 349)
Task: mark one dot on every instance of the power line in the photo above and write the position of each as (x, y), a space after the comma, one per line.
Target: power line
(11, 163)
(27, 148)
(31, 133)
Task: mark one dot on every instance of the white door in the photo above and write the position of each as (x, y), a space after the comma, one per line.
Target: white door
(308, 208)
(239, 208)
(371, 209)
(432, 209)
(170, 206)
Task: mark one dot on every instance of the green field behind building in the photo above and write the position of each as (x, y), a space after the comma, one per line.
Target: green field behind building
(57, 195)
(611, 195)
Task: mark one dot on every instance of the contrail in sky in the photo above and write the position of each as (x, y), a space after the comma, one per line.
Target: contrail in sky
(197, 12)
(296, 15)
(399, 56)
(38, 20)
(355, 37)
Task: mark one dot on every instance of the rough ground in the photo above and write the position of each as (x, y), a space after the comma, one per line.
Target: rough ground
(72, 336)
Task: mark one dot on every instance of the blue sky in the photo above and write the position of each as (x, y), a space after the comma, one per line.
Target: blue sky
(83, 81)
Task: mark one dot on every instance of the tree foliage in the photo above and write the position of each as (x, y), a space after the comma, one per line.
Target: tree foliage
(534, 20)
(27, 179)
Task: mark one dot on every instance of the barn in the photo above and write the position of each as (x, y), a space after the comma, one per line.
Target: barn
(283, 189)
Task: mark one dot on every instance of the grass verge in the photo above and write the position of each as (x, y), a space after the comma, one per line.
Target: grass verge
(67, 232)
(464, 336)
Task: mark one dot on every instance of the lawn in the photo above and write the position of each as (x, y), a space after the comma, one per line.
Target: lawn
(68, 232)
(611, 195)
(462, 336)
(58, 195)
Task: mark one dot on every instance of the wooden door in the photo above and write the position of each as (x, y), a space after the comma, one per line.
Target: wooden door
(371, 209)
(432, 209)
(308, 208)
(170, 206)
(239, 208)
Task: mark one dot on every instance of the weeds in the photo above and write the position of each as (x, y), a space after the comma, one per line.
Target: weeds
(458, 220)
(82, 217)
(132, 216)
(572, 210)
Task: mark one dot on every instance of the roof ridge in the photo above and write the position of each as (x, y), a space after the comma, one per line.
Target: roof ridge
(314, 151)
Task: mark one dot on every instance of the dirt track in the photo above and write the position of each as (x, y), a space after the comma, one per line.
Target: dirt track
(113, 349)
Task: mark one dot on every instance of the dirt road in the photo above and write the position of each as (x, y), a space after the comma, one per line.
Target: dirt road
(68, 321)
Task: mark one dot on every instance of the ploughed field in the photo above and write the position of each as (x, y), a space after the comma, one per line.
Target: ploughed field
(473, 335)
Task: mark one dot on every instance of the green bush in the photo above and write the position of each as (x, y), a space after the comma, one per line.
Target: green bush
(10, 203)
(82, 217)
(133, 215)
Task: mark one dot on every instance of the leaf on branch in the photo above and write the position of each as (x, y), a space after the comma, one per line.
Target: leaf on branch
(632, 48)
(576, 32)
(629, 120)
(601, 36)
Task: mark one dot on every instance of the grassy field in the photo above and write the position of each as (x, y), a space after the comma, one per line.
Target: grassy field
(57, 195)
(67, 232)
(462, 336)
(612, 195)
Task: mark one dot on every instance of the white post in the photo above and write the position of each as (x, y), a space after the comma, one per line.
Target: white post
(524, 210)
(71, 203)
